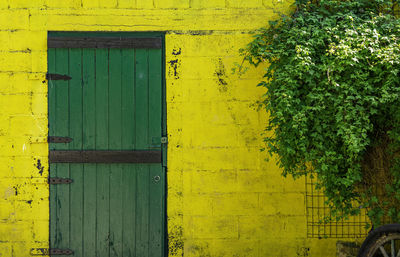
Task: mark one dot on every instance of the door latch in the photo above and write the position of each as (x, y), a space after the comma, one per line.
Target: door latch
(164, 140)
(158, 141)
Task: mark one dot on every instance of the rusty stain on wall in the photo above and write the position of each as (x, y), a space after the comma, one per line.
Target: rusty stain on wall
(173, 68)
(220, 72)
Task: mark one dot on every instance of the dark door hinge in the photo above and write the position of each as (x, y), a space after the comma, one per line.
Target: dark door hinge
(51, 251)
(59, 139)
(57, 181)
(53, 76)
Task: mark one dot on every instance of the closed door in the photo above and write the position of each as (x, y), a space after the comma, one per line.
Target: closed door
(105, 130)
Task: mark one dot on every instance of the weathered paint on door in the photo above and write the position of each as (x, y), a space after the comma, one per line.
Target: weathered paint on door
(112, 102)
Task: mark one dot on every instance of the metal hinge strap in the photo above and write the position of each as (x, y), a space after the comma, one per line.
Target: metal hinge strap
(53, 76)
(59, 139)
(56, 181)
(51, 251)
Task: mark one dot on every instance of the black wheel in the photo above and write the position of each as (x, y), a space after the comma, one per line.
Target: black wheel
(382, 242)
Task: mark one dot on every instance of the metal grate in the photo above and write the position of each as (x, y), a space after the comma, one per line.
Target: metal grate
(396, 10)
(316, 208)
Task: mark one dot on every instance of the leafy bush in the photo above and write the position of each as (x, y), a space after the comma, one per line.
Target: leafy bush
(333, 98)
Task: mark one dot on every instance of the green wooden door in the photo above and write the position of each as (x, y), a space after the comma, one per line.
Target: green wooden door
(108, 105)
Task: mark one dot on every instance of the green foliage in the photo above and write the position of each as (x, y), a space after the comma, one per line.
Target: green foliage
(333, 96)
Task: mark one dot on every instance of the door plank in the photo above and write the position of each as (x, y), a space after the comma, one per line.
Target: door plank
(128, 99)
(101, 105)
(52, 94)
(103, 170)
(89, 210)
(115, 142)
(103, 209)
(156, 183)
(142, 142)
(129, 172)
(75, 132)
(142, 210)
(89, 170)
(62, 129)
(63, 204)
(129, 176)
(142, 98)
(75, 99)
(53, 167)
(88, 70)
(116, 209)
(62, 99)
(156, 209)
(76, 208)
(53, 209)
(155, 97)
(115, 99)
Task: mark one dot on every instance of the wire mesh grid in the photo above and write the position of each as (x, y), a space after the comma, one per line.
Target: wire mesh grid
(317, 210)
(396, 9)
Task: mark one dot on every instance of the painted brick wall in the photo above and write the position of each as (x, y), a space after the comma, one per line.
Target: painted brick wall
(223, 198)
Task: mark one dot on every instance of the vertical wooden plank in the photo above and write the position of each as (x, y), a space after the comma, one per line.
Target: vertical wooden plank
(156, 209)
(155, 97)
(52, 94)
(115, 143)
(142, 142)
(101, 99)
(128, 99)
(156, 180)
(76, 206)
(89, 172)
(115, 99)
(128, 170)
(102, 135)
(63, 207)
(76, 170)
(53, 208)
(116, 208)
(62, 97)
(142, 99)
(103, 209)
(62, 129)
(75, 99)
(89, 100)
(129, 210)
(89, 210)
(142, 210)
(53, 172)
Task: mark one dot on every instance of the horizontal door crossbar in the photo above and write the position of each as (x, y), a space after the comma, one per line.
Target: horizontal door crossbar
(58, 156)
(104, 42)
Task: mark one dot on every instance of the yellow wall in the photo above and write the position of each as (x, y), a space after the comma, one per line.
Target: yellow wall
(223, 199)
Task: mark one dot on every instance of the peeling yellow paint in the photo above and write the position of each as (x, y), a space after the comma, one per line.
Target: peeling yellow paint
(223, 198)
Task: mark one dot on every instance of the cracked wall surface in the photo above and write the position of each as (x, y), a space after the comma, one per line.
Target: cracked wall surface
(223, 198)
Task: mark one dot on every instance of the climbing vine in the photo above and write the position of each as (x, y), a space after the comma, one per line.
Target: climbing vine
(333, 99)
